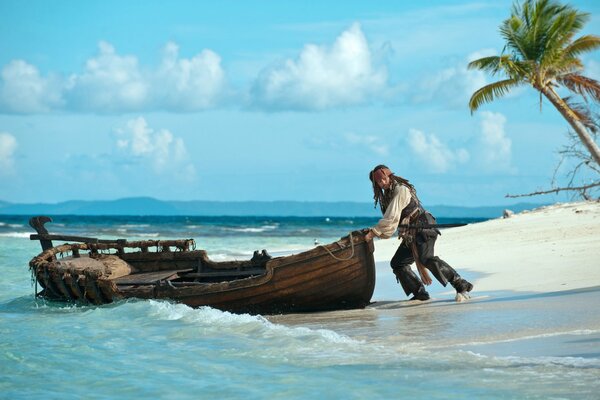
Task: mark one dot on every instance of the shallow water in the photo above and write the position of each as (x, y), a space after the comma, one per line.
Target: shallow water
(498, 345)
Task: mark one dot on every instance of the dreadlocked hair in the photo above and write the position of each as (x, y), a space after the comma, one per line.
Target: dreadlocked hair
(384, 197)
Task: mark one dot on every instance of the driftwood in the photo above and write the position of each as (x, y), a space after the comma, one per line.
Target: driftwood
(580, 188)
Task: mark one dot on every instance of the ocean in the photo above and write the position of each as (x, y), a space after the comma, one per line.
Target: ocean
(497, 346)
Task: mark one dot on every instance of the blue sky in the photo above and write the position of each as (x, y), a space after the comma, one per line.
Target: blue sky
(264, 100)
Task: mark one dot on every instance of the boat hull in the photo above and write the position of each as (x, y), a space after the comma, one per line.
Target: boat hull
(340, 275)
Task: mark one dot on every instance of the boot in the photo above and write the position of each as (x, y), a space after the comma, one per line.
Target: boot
(461, 285)
(420, 294)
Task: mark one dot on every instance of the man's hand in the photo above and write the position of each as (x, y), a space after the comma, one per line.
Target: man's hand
(369, 235)
(424, 274)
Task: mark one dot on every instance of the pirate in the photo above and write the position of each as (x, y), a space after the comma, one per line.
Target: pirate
(400, 205)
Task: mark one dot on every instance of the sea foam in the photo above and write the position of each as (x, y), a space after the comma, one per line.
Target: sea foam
(15, 234)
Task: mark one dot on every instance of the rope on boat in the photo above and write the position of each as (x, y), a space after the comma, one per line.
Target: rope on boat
(46, 257)
(104, 248)
(337, 258)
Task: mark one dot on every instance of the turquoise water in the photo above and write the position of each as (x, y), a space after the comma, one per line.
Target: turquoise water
(497, 346)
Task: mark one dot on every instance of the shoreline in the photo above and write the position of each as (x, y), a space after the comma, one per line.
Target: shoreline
(552, 248)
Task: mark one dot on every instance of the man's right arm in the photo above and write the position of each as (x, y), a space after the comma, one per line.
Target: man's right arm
(388, 224)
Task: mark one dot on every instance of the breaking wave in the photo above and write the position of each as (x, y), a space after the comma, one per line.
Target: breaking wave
(15, 234)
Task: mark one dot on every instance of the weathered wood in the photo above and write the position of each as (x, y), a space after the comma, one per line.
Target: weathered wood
(49, 284)
(73, 282)
(58, 280)
(68, 238)
(91, 289)
(148, 278)
(336, 276)
(37, 223)
(228, 273)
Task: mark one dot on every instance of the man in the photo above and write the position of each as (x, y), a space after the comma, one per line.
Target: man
(400, 205)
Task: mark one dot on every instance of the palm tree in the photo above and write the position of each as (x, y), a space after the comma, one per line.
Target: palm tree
(541, 51)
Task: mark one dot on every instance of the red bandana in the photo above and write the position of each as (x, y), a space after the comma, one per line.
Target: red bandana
(380, 174)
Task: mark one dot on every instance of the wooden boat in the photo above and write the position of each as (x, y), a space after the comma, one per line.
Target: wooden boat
(340, 275)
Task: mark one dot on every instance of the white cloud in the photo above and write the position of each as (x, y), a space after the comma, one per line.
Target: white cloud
(8, 145)
(368, 141)
(165, 152)
(433, 154)
(453, 85)
(490, 151)
(189, 84)
(111, 82)
(24, 90)
(322, 77)
(495, 147)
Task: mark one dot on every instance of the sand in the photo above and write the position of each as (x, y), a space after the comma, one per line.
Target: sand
(554, 248)
(534, 305)
(533, 308)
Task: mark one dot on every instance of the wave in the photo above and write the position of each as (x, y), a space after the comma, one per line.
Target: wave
(11, 225)
(134, 226)
(263, 228)
(246, 230)
(515, 361)
(220, 256)
(152, 234)
(15, 234)
(220, 322)
(576, 332)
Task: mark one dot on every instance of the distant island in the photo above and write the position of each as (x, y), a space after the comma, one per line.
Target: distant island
(151, 206)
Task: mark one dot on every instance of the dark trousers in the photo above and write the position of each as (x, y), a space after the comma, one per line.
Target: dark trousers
(403, 259)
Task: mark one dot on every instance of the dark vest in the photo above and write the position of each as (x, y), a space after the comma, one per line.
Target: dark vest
(412, 207)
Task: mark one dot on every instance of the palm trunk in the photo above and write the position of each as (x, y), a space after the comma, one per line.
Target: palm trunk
(573, 120)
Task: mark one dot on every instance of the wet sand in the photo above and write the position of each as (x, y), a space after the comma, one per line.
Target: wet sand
(554, 324)
(537, 287)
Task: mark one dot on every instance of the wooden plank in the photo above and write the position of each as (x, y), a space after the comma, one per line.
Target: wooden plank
(71, 281)
(291, 281)
(92, 292)
(148, 278)
(217, 274)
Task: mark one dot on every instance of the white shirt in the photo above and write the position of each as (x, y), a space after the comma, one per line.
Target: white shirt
(387, 225)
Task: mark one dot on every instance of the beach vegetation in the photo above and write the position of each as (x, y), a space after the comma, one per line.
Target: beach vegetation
(542, 51)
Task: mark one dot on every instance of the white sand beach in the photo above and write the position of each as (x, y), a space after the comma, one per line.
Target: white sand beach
(537, 286)
(549, 249)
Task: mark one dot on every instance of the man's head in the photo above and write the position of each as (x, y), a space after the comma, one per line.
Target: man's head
(380, 176)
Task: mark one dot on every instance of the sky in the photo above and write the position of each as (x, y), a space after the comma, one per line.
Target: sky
(266, 100)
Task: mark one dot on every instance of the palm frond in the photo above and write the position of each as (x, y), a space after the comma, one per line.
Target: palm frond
(513, 69)
(560, 33)
(489, 93)
(489, 64)
(581, 85)
(583, 113)
(540, 30)
(563, 66)
(511, 32)
(583, 44)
